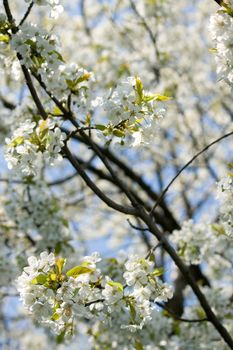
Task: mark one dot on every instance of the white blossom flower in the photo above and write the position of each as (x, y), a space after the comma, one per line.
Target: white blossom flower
(56, 9)
(58, 299)
(194, 241)
(30, 144)
(225, 195)
(133, 114)
(221, 28)
(112, 293)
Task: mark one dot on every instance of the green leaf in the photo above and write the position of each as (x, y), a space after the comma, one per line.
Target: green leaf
(118, 133)
(158, 271)
(31, 43)
(60, 264)
(138, 345)
(40, 279)
(200, 313)
(176, 327)
(84, 77)
(116, 284)
(159, 97)
(65, 222)
(182, 249)
(53, 277)
(218, 229)
(17, 141)
(43, 125)
(78, 270)
(139, 90)
(100, 127)
(88, 119)
(227, 7)
(213, 49)
(59, 56)
(57, 111)
(60, 337)
(4, 38)
(148, 98)
(132, 311)
(70, 83)
(55, 316)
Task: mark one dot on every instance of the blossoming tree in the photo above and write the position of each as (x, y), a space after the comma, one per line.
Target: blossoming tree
(116, 179)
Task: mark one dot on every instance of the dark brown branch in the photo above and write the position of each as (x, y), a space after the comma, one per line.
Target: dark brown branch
(139, 212)
(8, 12)
(160, 218)
(7, 104)
(26, 73)
(176, 317)
(33, 92)
(130, 173)
(188, 276)
(94, 188)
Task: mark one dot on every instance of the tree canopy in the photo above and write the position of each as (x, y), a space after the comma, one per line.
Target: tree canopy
(116, 174)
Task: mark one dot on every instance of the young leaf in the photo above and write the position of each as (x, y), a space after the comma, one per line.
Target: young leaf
(139, 90)
(4, 38)
(116, 284)
(60, 337)
(132, 311)
(60, 264)
(17, 141)
(158, 271)
(138, 345)
(78, 270)
(159, 97)
(40, 279)
(55, 316)
(118, 133)
(57, 111)
(100, 127)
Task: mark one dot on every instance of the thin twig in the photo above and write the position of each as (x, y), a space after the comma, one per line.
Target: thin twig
(153, 249)
(212, 317)
(136, 227)
(33, 92)
(27, 13)
(186, 166)
(173, 314)
(63, 180)
(94, 188)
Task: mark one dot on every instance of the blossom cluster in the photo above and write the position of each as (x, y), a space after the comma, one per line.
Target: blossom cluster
(221, 28)
(194, 241)
(225, 195)
(31, 144)
(57, 298)
(133, 115)
(56, 8)
(199, 241)
(8, 269)
(37, 48)
(39, 52)
(38, 213)
(70, 79)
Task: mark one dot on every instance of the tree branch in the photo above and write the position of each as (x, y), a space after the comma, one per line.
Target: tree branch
(186, 166)
(94, 188)
(27, 13)
(189, 278)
